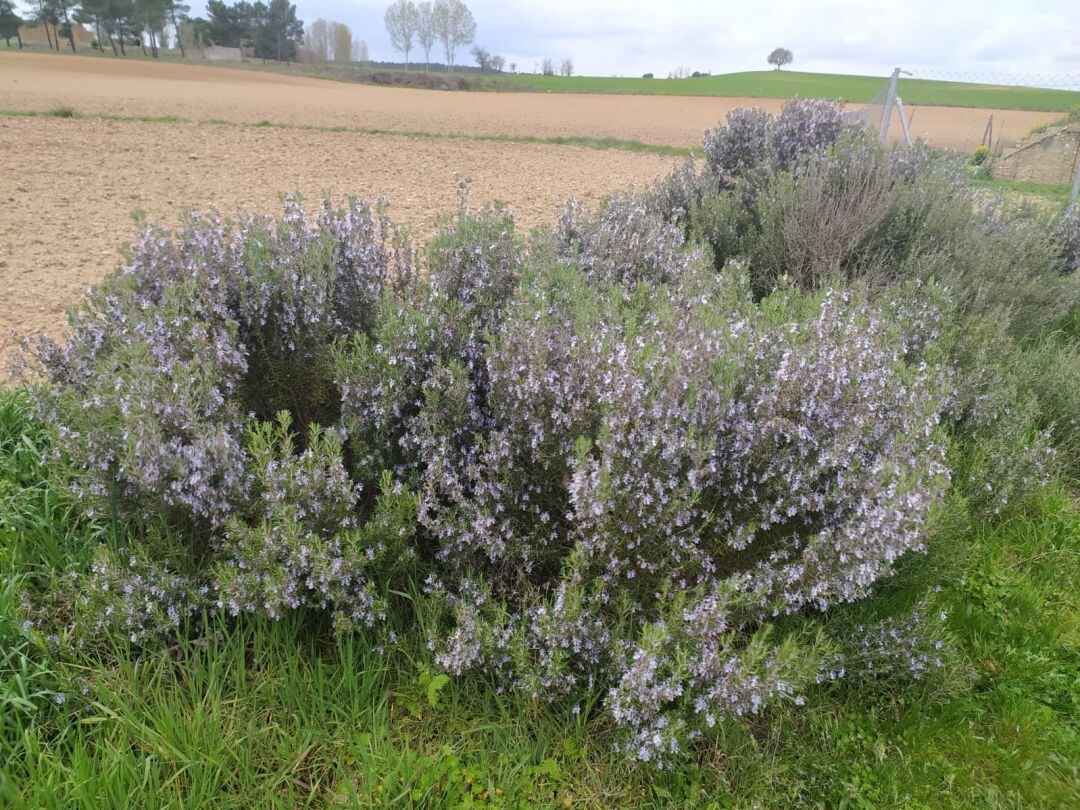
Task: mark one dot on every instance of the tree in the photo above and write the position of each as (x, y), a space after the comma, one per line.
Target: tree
(178, 11)
(63, 11)
(45, 15)
(10, 23)
(150, 16)
(402, 20)
(275, 30)
(497, 63)
(122, 21)
(227, 25)
(482, 57)
(317, 41)
(547, 67)
(96, 13)
(425, 31)
(454, 26)
(567, 68)
(189, 35)
(360, 51)
(781, 57)
(342, 42)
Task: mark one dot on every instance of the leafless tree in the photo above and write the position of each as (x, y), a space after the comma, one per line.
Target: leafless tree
(402, 21)
(497, 63)
(343, 42)
(482, 57)
(567, 68)
(454, 26)
(317, 40)
(547, 67)
(425, 31)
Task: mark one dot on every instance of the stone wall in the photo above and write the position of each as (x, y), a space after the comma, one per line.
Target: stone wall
(217, 53)
(1051, 157)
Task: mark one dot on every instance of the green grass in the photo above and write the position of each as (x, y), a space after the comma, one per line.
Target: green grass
(788, 83)
(1054, 193)
(556, 140)
(283, 714)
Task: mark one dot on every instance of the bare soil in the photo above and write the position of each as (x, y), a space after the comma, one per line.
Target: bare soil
(68, 188)
(100, 85)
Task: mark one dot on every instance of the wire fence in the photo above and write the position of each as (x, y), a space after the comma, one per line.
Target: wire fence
(1046, 81)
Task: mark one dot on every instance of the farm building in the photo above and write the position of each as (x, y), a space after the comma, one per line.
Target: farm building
(1049, 157)
(218, 53)
(35, 35)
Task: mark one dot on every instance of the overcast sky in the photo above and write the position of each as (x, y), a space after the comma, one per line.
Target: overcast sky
(934, 38)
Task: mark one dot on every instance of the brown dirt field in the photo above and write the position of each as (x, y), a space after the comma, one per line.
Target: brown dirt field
(68, 188)
(198, 92)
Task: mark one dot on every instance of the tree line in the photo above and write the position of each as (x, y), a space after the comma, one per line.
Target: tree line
(268, 30)
(448, 22)
(272, 30)
(330, 41)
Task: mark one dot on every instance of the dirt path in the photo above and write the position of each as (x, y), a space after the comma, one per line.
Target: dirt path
(68, 188)
(198, 92)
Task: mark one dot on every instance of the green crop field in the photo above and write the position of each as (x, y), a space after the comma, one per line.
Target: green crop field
(786, 83)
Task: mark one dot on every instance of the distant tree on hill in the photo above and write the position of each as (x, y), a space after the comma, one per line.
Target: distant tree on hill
(317, 41)
(45, 15)
(567, 68)
(95, 13)
(178, 12)
(273, 31)
(454, 27)
(277, 32)
(497, 63)
(482, 57)
(360, 51)
(547, 67)
(425, 30)
(123, 23)
(150, 16)
(342, 41)
(66, 11)
(227, 25)
(10, 23)
(781, 57)
(402, 21)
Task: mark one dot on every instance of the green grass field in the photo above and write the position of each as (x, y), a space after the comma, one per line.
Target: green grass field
(786, 83)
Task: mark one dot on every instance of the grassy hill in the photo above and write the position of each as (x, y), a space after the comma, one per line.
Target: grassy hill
(786, 83)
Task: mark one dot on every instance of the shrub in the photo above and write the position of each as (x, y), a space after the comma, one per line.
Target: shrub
(815, 224)
(742, 144)
(304, 544)
(200, 327)
(1067, 236)
(1051, 367)
(1004, 457)
(624, 242)
(640, 445)
(595, 460)
(474, 263)
(752, 141)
